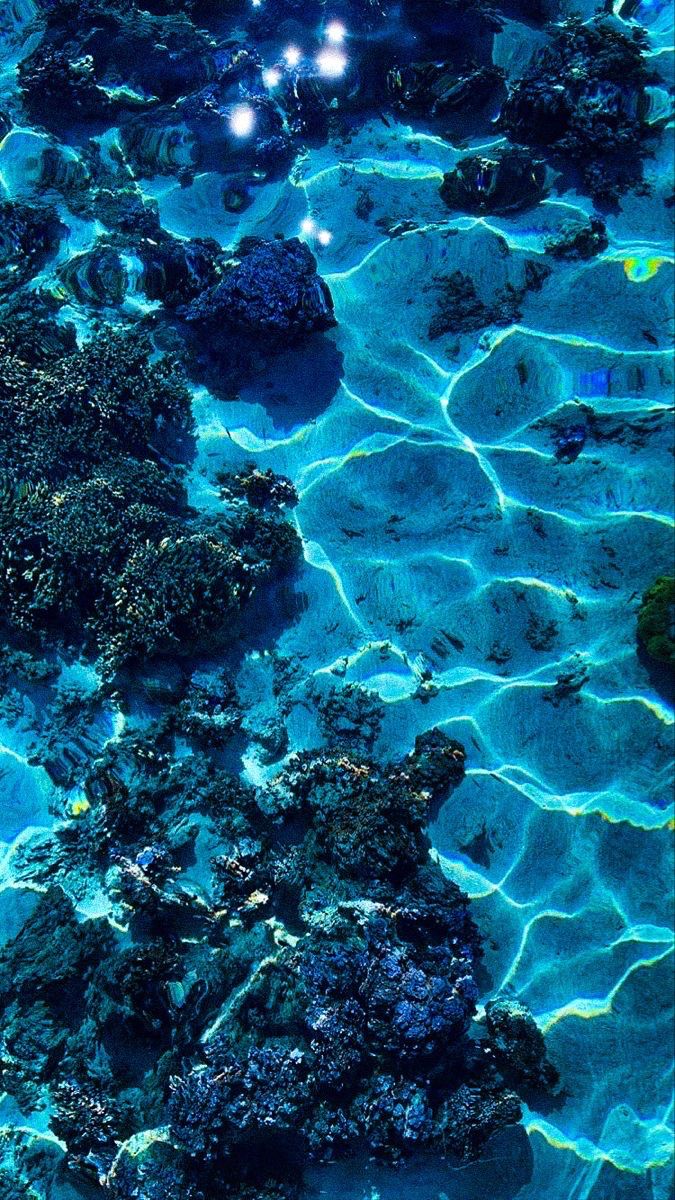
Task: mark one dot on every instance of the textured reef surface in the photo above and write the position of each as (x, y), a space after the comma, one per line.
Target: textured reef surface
(337, 607)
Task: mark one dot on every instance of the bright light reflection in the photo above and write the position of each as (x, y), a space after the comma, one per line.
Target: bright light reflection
(331, 62)
(336, 32)
(308, 226)
(324, 237)
(292, 55)
(242, 120)
(271, 77)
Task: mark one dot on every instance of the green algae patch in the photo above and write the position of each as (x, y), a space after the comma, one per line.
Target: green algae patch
(656, 619)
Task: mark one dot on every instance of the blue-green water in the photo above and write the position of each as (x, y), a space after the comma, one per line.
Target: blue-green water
(439, 531)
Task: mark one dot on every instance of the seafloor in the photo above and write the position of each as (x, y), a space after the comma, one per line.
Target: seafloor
(464, 559)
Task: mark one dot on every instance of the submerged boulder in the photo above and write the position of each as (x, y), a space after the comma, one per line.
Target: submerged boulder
(583, 98)
(507, 180)
(518, 1044)
(272, 289)
(656, 620)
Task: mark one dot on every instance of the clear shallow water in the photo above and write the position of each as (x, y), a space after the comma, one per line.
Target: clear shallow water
(439, 531)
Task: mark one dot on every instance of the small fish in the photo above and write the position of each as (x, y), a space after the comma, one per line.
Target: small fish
(649, 337)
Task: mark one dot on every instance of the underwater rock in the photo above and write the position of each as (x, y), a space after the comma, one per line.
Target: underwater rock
(159, 148)
(436, 765)
(262, 489)
(656, 620)
(436, 88)
(96, 278)
(350, 716)
(232, 1103)
(51, 80)
(272, 291)
(114, 559)
(165, 269)
(518, 1044)
(583, 99)
(272, 738)
(209, 711)
(29, 235)
(472, 1115)
(459, 308)
(98, 57)
(177, 270)
(579, 240)
(307, 110)
(139, 259)
(123, 208)
(365, 823)
(508, 180)
(395, 1117)
(52, 957)
(71, 734)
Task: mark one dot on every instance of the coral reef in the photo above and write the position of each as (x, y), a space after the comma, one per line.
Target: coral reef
(98, 543)
(582, 98)
(29, 236)
(518, 1044)
(273, 289)
(325, 1004)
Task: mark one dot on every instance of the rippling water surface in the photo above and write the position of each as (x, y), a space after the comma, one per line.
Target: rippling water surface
(443, 540)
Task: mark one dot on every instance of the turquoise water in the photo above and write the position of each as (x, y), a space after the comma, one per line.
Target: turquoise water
(440, 536)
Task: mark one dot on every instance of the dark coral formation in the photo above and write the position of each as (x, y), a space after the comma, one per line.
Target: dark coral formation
(506, 181)
(261, 489)
(438, 89)
(98, 543)
(350, 716)
(273, 290)
(582, 99)
(312, 997)
(656, 620)
(579, 239)
(29, 236)
(518, 1044)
